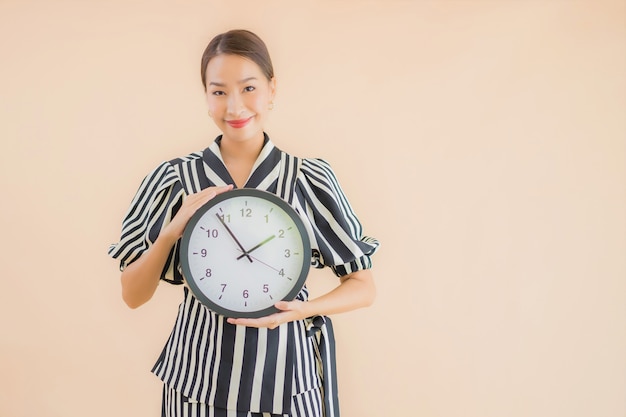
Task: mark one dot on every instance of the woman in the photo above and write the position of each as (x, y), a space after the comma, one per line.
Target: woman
(283, 363)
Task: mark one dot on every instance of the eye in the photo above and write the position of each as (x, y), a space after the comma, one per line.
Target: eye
(218, 93)
(249, 88)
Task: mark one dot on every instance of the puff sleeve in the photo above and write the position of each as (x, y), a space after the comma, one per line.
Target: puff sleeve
(156, 202)
(336, 233)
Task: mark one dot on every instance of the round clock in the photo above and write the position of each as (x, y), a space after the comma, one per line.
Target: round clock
(243, 251)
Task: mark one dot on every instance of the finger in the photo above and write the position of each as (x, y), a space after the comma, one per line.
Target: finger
(270, 322)
(204, 196)
(246, 322)
(210, 192)
(283, 305)
(223, 188)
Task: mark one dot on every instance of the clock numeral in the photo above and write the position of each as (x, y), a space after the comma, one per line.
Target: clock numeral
(212, 233)
(224, 217)
(246, 212)
(287, 253)
(281, 272)
(202, 253)
(208, 273)
(266, 288)
(281, 234)
(246, 294)
(267, 216)
(223, 287)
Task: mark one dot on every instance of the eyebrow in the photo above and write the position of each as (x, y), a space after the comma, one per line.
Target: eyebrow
(245, 80)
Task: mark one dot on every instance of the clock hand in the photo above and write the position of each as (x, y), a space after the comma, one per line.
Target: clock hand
(269, 266)
(234, 238)
(256, 247)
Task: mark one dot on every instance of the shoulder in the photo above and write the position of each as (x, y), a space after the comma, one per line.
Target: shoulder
(162, 174)
(167, 173)
(317, 167)
(319, 172)
(189, 158)
(315, 163)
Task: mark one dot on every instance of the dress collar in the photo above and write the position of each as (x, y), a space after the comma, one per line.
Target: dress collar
(264, 171)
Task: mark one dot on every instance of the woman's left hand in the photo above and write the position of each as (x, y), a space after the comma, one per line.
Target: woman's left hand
(289, 311)
(355, 291)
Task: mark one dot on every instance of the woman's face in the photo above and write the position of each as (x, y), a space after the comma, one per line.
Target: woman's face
(239, 96)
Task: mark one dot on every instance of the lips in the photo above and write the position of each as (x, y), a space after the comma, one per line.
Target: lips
(238, 124)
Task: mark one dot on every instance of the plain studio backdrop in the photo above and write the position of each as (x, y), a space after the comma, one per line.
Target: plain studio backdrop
(482, 142)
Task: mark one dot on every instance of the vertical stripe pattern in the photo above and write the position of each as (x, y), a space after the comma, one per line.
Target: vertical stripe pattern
(174, 404)
(207, 361)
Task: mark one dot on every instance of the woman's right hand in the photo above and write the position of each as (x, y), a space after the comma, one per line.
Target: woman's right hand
(191, 204)
(141, 278)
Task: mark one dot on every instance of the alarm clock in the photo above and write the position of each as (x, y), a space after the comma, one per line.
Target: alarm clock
(243, 251)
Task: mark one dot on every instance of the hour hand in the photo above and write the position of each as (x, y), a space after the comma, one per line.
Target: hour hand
(230, 232)
(255, 248)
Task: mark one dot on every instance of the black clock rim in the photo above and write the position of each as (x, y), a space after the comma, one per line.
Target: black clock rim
(249, 192)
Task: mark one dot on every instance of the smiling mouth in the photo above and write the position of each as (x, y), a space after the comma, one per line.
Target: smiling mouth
(238, 124)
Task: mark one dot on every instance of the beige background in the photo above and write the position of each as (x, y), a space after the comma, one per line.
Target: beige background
(483, 142)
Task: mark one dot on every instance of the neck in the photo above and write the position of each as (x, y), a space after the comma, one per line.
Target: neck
(239, 157)
(241, 150)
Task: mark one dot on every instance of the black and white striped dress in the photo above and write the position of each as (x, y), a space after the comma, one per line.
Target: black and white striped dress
(235, 369)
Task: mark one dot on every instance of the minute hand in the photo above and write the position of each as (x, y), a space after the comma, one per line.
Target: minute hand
(234, 238)
(255, 248)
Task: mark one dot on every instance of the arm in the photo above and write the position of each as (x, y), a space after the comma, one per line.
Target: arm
(356, 290)
(141, 278)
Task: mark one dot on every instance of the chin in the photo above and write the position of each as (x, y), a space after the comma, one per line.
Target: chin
(243, 135)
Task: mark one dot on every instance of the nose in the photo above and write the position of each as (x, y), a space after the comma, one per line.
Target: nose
(235, 104)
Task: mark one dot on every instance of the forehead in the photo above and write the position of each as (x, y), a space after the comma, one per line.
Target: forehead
(232, 68)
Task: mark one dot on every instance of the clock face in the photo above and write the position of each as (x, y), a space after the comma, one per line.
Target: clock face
(243, 251)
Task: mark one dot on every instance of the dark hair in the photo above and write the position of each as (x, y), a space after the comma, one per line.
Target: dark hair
(238, 42)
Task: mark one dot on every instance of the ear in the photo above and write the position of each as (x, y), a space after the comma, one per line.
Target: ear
(272, 84)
